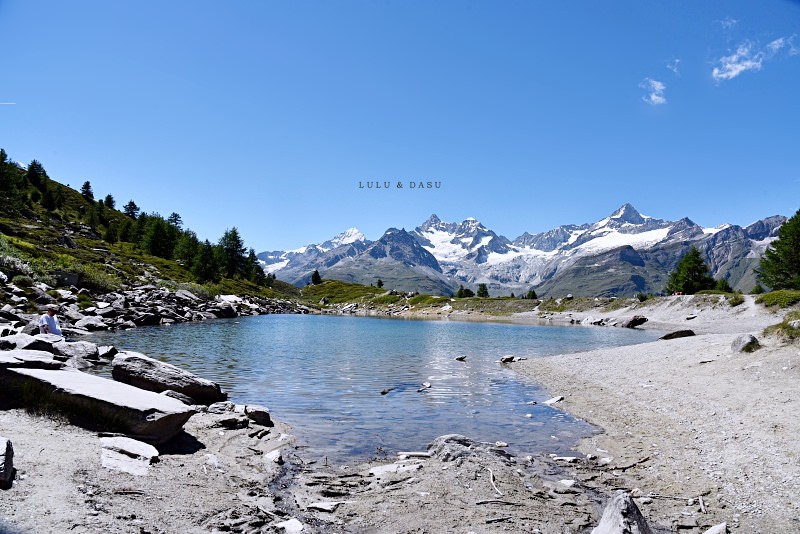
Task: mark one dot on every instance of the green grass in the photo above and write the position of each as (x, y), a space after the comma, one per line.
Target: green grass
(339, 292)
(783, 329)
(784, 298)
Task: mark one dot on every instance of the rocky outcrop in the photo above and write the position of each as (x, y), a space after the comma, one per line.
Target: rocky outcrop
(147, 373)
(145, 305)
(96, 402)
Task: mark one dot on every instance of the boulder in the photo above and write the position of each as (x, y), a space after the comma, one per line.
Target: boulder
(634, 321)
(677, 334)
(622, 516)
(28, 342)
(92, 324)
(745, 343)
(150, 374)
(6, 462)
(100, 403)
(258, 414)
(81, 349)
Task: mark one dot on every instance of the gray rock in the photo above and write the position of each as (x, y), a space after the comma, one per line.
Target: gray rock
(93, 401)
(722, 528)
(634, 321)
(186, 295)
(179, 396)
(80, 349)
(32, 359)
(127, 455)
(745, 343)
(794, 324)
(72, 313)
(6, 462)
(28, 342)
(677, 334)
(258, 414)
(622, 516)
(222, 407)
(150, 374)
(92, 323)
(107, 351)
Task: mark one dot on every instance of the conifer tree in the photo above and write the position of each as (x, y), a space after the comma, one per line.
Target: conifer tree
(232, 253)
(483, 291)
(86, 191)
(109, 202)
(780, 266)
(316, 278)
(131, 209)
(691, 275)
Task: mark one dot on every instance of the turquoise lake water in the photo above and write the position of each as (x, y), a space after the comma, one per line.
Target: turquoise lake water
(324, 376)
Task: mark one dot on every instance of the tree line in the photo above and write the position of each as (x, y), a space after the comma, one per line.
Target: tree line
(23, 188)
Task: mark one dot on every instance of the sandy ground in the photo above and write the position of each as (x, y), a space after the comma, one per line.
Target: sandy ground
(700, 435)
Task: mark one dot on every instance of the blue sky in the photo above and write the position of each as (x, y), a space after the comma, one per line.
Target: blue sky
(267, 115)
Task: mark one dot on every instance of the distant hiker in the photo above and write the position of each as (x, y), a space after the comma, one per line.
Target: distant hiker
(48, 322)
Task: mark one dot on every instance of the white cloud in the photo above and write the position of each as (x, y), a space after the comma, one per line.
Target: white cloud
(674, 66)
(655, 91)
(751, 57)
(728, 23)
(742, 60)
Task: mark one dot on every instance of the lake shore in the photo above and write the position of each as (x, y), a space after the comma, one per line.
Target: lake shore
(699, 434)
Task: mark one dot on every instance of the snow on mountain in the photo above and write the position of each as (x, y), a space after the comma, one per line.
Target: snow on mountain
(624, 252)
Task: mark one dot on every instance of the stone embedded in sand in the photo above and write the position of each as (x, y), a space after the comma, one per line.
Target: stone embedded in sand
(677, 334)
(6, 462)
(127, 455)
(745, 343)
(292, 526)
(622, 516)
(722, 528)
(147, 373)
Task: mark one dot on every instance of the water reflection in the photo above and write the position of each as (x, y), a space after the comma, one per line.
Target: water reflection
(324, 375)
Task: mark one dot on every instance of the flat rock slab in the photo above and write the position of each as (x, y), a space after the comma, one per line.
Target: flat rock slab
(98, 402)
(33, 359)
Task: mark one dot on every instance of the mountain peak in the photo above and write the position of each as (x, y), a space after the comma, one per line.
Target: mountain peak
(351, 235)
(627, 213)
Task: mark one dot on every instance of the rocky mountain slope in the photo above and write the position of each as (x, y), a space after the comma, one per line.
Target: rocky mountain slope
(622, 254)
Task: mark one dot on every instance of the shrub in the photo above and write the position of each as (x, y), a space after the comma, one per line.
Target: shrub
(785, 329)
(783, 298)
(641, 297)
(734, 299)
(22, 280)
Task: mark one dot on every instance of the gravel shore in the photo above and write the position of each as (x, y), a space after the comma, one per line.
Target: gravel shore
(699, 434)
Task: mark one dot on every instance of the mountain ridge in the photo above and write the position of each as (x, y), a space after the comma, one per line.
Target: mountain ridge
(624, 252)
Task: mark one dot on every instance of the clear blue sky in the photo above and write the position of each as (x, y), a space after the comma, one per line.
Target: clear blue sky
(266, 115)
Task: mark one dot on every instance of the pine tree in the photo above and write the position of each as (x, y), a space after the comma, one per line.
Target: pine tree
(316, 278)
(723, 285)
(379, 283)
(36, 175)
(205, 265)
(531, 294)
(232, 253)
(131, 209)
(109, 202)
(483, 291)
(780, 266)
(691, 275)
(86, 191)
(175, 220)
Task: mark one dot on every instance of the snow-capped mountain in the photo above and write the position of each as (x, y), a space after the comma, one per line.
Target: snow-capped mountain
(623, 253)
(296, 266)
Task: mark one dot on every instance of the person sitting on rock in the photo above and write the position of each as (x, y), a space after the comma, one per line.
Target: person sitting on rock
(48, 322)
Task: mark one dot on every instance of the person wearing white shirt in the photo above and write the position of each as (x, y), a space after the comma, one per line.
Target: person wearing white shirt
(48, 322)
